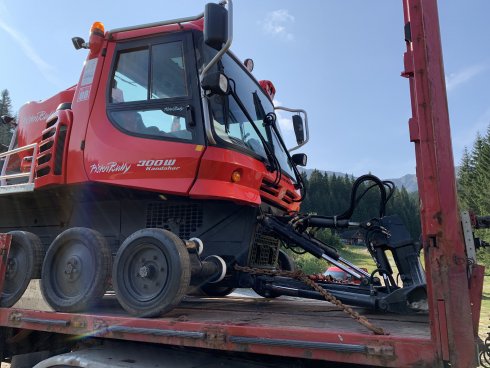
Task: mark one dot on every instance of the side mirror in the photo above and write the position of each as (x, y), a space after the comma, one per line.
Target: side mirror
(300, 159)
(78, 43)
(216, 83)
(299, 130)
(215, 25)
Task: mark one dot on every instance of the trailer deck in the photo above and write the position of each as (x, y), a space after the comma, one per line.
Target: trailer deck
(283, 326)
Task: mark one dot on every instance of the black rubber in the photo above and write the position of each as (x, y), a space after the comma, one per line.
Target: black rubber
(23, 264)
(216, 291)
(76, 270)
(284, 263)
(151, 272)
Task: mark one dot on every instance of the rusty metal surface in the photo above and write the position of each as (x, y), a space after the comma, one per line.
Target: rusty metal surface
(283, 326)
(446, 265)
(4, 252)
(476, 292)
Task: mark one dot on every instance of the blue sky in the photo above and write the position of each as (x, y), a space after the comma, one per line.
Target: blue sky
(338, 60)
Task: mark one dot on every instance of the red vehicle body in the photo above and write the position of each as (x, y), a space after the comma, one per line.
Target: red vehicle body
(92, 180)
(132, 146)
(87, 121)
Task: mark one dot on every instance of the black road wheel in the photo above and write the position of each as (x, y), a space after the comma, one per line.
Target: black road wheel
(76, 270)
(151, 272)
(23, 264)
(216, 291)
(284, 263)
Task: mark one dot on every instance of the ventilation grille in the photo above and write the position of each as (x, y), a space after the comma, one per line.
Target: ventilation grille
(181, 219)
(60, 147)
(264, 251)
(51, 148)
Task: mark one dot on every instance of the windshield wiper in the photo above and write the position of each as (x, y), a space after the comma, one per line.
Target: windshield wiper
(271, 158)
(270, 119)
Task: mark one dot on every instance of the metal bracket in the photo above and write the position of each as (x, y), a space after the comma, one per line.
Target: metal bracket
(468, 238)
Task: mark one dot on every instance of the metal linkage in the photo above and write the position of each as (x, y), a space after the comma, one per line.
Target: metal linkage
(485, 353)
(5, 187)
(301, 276)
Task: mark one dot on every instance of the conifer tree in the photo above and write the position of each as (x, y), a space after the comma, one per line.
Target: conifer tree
(5, 130)
(474, 180)
(5, 103)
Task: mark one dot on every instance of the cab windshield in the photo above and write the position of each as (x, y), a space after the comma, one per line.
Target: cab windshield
(231, 124)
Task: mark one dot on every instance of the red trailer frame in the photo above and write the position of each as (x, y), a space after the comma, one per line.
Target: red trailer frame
(453, 327)
(446, 261)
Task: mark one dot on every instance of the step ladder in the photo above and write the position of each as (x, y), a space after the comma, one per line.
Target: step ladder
(5, 186)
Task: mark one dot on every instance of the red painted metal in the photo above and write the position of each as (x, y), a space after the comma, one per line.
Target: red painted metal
(444, 249)
(94, 142)
(443, 337)
(384, 351)
(476, 290)
(4, 252)
(150, 31)
(214, 180)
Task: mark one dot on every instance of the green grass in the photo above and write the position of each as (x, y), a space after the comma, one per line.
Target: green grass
(358, 255)
(354, 254)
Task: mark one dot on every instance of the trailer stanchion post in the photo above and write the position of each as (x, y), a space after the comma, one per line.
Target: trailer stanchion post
(445, 258)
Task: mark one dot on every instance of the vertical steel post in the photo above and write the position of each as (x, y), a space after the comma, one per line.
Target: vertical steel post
(445, 259)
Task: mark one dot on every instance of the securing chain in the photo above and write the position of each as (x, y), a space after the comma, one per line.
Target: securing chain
(301, 276)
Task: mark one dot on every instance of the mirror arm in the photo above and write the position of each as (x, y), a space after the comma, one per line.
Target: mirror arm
(227, 45)
(299, 179)
(307, 135)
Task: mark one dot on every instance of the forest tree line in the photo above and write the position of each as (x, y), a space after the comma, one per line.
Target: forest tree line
(330, 195)
(5, 129)
(474, 182)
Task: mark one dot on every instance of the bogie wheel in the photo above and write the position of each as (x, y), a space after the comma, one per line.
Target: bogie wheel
(76, 270)
(23, 264)
(151, 272)
(284, 263)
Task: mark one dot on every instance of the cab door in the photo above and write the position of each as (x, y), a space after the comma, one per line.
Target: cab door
(145, 129)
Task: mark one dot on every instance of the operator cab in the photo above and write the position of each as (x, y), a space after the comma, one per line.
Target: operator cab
(149, 94)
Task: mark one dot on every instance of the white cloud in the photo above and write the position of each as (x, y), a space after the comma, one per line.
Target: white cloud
(46, 70)
(276, 23)
(454, 80)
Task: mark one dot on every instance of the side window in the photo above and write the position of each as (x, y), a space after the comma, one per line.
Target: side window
(149, 92)
(153, 122)
(130, 82)
(168, 73)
